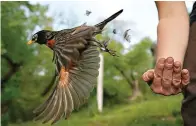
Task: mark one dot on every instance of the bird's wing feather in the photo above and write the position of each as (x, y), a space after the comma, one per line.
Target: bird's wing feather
(77, 65)
(73, 86)
(69, 45)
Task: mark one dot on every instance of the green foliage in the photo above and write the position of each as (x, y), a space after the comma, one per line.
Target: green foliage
(19, 19)
(139, 58)
(22, 92)
(136, 60)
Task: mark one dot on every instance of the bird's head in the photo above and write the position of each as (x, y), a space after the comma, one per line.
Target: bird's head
(39, 37)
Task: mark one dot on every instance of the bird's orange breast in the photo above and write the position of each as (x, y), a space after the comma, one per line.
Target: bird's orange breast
(50, 43)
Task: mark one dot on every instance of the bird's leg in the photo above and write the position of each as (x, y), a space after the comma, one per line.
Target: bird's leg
(110, 51)
(104, 46)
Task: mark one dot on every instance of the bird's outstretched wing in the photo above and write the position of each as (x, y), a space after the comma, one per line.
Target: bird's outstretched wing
(77, 65)
(73, 87)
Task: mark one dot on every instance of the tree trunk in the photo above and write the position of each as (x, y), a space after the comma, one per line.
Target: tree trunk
(135, 90)
(14, 67)
(133, 82)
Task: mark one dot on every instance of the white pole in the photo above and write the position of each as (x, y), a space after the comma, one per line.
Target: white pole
(100, 85)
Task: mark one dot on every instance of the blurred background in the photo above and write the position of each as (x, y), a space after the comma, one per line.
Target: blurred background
(27, 71)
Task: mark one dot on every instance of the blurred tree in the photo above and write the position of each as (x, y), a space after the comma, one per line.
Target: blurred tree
(127, 68)
(153, 51)
(19, 19)
(139, 60)
(115, 88)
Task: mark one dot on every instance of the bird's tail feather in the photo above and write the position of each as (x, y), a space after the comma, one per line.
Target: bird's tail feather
(102, 24)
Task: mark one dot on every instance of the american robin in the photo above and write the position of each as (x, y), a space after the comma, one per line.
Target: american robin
(77, 63)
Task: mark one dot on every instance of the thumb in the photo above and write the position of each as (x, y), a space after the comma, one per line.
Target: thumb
(148, 75)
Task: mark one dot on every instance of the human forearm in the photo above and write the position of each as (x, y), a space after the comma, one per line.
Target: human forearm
(168, 77)
(172, 38)
(172, 31)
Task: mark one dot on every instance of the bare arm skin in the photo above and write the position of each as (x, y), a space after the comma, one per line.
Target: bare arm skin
(167, 77)
(172, 30)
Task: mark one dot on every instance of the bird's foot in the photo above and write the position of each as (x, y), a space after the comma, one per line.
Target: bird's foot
(103, 46)
(110, 51)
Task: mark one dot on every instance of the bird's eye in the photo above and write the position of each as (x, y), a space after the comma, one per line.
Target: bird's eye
(34, 37)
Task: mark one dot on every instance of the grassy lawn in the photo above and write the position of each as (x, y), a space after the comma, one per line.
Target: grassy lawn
(161, 111)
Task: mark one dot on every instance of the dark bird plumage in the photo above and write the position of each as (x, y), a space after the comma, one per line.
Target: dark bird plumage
(114, 31)
(88, 12)
(77, 63)
(126, 35)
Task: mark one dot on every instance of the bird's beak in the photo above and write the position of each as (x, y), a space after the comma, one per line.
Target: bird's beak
(30, 42)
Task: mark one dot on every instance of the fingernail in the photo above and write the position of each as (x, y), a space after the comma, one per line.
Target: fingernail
(169, 60)
(177, 64)
(185, 71)
(162, 60)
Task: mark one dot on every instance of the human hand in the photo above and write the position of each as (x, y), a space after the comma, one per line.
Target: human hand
(167, 78)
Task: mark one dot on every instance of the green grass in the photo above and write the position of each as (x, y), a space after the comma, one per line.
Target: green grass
(157, 112)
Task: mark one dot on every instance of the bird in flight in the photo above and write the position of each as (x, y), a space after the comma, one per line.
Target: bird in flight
(126, 35)
(88, 12)
(76, 61)
(114, 31)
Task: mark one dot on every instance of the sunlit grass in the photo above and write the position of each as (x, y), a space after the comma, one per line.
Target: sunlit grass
(157, 112)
